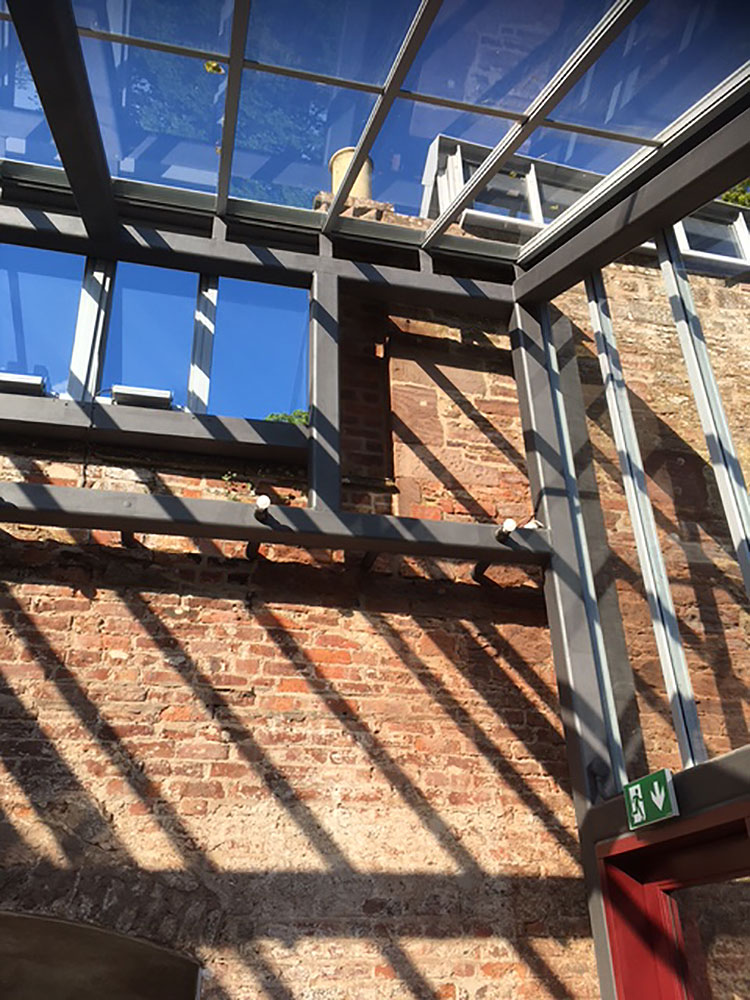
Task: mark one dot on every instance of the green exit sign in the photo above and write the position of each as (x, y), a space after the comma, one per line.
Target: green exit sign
(650, 799)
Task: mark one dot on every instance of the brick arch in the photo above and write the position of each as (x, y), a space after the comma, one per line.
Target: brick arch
(43, 957)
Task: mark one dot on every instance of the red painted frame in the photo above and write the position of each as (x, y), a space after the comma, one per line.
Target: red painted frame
(638, 873)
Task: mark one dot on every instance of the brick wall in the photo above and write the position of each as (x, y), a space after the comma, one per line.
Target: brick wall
(326, 783)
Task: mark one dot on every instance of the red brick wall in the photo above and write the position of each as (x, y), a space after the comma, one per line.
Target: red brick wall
(326, 783)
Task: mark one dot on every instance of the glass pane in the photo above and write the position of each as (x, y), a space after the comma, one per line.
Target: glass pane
(672, 53)
(150, 336)
(39, 294)
(500, 56)
(504, 195)
(354, 39)
(579, 152)
(260, 350)
(287, 130)
(24, 134)
(712, 236)
(716, 930)
(160, 114)
(400, 150)
(197, 24)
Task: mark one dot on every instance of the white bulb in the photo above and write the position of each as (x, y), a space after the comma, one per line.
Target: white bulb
(509, 525)
(263, 502)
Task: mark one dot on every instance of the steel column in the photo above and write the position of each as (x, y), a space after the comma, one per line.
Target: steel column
(592, 740)
(721, 450)
(325, 451)
(240, 19)
(663, 618)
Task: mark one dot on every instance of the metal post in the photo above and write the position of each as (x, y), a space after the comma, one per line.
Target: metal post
(592, 739)
(204, 327)
(325, 456)
(91, 329)
(663, 618)
(721, 450)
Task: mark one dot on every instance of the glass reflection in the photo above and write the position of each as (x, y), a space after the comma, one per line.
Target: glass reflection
(150, 334)
(354, 39)
(500, 56)
(24, 134)
(260, 353)
(400, 151)
(198, 24)
(671, 54)
(712, 235)
(39, 294)
(287, 130)
(160, 114)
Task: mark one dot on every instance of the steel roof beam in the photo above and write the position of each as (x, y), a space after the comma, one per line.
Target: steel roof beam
(49, 38)
(240, 21)
(699, 174)
(397, 74)
(609, 27)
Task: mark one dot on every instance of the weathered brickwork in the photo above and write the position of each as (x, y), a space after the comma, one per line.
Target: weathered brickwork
(326, 783)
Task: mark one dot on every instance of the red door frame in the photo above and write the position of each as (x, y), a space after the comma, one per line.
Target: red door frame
(638, 873)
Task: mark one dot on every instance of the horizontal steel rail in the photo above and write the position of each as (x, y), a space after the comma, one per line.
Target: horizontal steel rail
(73, 507)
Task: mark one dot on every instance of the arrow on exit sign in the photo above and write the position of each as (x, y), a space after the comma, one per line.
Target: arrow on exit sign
(650, 799)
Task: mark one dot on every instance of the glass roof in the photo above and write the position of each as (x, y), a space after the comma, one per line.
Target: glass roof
(311, 71)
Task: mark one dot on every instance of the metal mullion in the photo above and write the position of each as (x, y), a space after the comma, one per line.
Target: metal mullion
(606, 31)
(49, 37)
(721, 450)
(416, 34)
(743, 235)
(325, 451)
(663, 618)
(204, 328)
(240, 20)
(681, 237)
(534, 196)
(311, 77)
(144, 43)
(92, 323)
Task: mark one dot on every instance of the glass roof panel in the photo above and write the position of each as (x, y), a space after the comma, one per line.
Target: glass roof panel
(198, 24)
(354, 39)
(400, 151)
(582, 152)
(671, 54)
(159, 114)
(287, 130)
(500, 56)
(24, 133)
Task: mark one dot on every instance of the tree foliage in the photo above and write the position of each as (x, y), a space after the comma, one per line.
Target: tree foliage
(739, 194)
(299, 417)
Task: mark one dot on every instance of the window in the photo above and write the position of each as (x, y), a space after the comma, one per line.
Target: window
(260, 355)
(150, 330)
(711, 235)
(505, 194)
(39, 294)
(559, 189)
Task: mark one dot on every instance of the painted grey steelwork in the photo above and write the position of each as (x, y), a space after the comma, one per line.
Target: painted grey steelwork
(663, 618)
(723, 454)
(240, 19)
(68, 506)
(700, 173)
(592, 740)
(617, 18)
(49, 38)
(325, 451)
(418, 29)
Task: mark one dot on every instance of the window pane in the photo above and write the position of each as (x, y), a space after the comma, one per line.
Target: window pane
(196, 24)
(160, 114)
(287, 131)
(504, 195)
(354, 39)
(24, 133)
(712, 236)
(150, 336)
(39, 294)
(260, 350)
